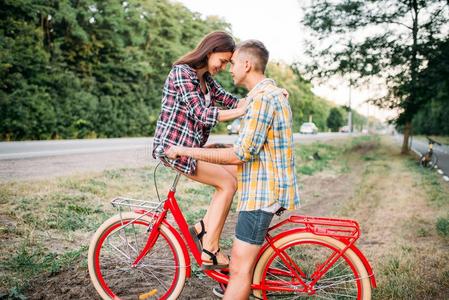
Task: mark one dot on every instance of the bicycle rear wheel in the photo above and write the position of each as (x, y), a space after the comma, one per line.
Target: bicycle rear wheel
(428, 160)
(159, 275)
(346, 279)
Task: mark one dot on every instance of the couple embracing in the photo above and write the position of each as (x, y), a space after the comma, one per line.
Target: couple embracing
(259, 165)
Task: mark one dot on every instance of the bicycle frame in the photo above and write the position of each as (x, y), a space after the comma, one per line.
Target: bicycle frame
(343, 230)
(346, 231)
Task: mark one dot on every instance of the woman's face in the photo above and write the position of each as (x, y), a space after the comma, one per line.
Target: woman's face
(217, 61)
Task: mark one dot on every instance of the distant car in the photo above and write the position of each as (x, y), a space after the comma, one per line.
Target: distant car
(308, 128)
(234, 127)
(344, 129)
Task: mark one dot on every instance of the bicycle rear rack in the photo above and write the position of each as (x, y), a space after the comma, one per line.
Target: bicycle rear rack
(337, 228)
(121, 202)
(142, 207)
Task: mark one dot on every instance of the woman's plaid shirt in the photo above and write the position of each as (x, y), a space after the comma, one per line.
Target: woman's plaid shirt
(265, 144)
(186, 119)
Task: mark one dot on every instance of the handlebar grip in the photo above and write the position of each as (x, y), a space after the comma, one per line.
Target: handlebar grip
(159, 152)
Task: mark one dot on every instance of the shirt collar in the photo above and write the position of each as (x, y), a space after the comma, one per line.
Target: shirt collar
(261, 85)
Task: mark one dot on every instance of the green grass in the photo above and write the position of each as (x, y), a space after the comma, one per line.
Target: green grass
(193, 216)
(436, 192)
(442, 226)
(31, 260)
(316, 157)
(404, 275)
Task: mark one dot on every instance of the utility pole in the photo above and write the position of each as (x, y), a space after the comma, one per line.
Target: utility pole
(367, 119)
(349, 107)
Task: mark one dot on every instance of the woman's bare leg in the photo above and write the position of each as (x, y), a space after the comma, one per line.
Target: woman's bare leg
(223, 179)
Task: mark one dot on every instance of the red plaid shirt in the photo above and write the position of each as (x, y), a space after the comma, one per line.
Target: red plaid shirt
(186, 119)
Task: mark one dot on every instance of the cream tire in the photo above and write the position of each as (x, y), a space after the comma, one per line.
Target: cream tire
(131, 216)
(306, 236)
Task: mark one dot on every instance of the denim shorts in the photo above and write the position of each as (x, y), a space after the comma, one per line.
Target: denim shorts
(252, 226)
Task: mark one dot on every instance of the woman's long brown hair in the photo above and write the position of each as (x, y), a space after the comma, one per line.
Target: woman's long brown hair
(217, 41)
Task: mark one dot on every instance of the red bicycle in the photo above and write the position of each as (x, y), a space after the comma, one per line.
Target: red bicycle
(139, 254)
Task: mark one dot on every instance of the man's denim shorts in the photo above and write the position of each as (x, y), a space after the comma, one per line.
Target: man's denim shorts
(252, 226)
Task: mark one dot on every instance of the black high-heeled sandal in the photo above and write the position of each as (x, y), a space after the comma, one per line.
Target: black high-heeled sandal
(198, 237)
(212, 264)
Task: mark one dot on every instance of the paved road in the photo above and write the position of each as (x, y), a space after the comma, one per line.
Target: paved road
(47, 159)
(420, 146)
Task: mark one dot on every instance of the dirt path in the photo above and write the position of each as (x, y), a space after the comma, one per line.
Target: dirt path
(398, 224)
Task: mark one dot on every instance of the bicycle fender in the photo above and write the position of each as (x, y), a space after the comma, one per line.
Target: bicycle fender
(356, 250)
(367, 265)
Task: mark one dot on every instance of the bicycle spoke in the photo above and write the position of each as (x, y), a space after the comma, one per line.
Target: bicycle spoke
(338, 282)
(158, 269)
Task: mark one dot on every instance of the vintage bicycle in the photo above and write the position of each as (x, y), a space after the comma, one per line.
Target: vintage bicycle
(138, 254)
(429, 159)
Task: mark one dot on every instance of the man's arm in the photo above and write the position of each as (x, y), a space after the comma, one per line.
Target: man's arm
(224, 156)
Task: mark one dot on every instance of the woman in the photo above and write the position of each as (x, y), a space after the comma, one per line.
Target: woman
(189, 110)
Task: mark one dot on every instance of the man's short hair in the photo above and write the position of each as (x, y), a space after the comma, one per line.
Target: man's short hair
(257, 50)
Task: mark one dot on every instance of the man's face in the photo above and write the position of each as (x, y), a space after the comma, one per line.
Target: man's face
(238, 68)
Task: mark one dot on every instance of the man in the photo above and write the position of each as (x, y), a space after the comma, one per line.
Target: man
(264, 155)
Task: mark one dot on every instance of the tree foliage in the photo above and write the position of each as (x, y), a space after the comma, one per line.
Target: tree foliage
(80, 69)
(74, 69)
(386, 39)
(335, 119)
(433, 84)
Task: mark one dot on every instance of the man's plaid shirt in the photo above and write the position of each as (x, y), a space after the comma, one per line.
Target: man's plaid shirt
(265, 144)
(186, 119)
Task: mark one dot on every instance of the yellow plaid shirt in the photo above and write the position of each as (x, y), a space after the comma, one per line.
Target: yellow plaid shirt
(265, 144)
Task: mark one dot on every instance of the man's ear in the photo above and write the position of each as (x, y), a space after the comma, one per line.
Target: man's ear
(248, 66)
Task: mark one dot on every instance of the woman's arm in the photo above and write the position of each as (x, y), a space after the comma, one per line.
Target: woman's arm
(231, 114)
(221, 96)
(218, 145)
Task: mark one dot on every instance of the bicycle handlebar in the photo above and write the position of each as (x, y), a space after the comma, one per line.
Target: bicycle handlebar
(159, 152)
(433, 141)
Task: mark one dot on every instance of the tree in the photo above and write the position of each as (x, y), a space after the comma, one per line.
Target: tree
(385, 39)
(335, 119)
(74, 69)
(433, 82)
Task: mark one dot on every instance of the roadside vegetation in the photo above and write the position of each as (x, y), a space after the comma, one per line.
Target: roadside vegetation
(45, 226)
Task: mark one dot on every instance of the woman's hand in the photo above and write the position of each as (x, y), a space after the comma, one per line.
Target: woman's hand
(235, 113)
(242, 106)
(172, 152)
(243, 103)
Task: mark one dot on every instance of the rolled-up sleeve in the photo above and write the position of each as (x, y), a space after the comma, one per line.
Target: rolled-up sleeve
(188, 89)
(256, 124)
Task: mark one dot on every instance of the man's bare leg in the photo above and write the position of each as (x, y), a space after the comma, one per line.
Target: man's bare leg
(243, 259)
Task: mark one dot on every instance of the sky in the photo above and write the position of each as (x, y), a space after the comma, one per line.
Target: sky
(277, 25)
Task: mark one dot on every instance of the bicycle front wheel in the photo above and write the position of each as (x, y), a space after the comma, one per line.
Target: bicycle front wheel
(428, 160)
(116, 244)
(347, 278)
